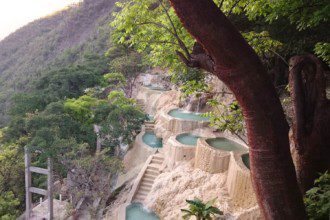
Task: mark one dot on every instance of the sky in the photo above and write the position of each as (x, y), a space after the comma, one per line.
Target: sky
(17, 13)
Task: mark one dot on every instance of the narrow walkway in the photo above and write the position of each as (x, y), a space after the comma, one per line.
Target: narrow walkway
(150, 124)
(147, 180)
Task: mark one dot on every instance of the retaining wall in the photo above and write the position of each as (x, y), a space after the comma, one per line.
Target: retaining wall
(176, 151)
(239, 182)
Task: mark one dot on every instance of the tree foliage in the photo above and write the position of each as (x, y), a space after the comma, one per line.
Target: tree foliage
(200, 210)
(8, 206)
(317, 199)
(323, 51)
(123, 122)
(152, 26)
(56, 120)
(11, 181)
(91, 177)
(127, 62)
(226, 117)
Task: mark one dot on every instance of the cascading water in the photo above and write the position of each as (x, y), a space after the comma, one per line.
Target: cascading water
(198, 105)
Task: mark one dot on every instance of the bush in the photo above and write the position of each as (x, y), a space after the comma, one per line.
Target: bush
(317, 199)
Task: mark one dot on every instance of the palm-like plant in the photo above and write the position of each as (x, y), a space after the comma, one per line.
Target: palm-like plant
(202, 211)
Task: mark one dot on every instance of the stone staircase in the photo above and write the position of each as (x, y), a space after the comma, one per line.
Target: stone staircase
(149, 125)
(140, 104)
(147, 180)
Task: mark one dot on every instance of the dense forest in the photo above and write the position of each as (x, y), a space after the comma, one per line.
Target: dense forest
(55, 84)
(63, 75)
(48, 43)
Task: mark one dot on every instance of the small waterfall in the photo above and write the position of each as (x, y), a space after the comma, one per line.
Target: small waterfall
(198, 105)
(188, 104)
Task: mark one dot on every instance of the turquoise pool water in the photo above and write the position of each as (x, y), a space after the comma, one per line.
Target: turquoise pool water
(151, 117)
(192, 116)
(135, 211)
(225, 144)
(150, 139)
(187, 139)
(158, 88)
(246, 160)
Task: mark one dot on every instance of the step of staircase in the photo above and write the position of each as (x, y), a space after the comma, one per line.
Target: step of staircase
(145, 184)
(143, 192)
(151, 173)
(148, 180)
(159, 162)
(158, 157)
(150, 126)
(145, 188)
(153, 167)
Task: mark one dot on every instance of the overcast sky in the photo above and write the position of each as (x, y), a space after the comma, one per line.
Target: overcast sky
(16, 13)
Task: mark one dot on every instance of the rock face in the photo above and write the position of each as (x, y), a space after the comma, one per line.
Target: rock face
(171, 189)
(169, 100)
(150, 98)
(149, 87)
(196, 104)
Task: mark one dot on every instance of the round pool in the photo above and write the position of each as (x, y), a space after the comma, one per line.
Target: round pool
(187, 139)
(225, 144)
(246, 160)
(151, 140)
(136, 211)
(186, 115)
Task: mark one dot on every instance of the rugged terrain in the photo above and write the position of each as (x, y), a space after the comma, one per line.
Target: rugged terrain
(55, 41)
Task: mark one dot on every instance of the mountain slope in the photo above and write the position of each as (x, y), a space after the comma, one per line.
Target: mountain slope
(54, 41)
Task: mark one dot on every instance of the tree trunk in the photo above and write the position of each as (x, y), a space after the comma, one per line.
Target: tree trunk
(311, 121)
(237, 65)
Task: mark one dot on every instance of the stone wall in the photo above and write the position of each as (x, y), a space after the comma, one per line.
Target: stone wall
(210, 159)
(138, 154)
(175, 151)
(239, 182)
(150, 98)
(177, 125)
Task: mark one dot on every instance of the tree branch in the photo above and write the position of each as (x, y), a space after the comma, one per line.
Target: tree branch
(158, 25)
(159, 42)
(181, 43)
(232, 7)
(282, 58)
(220, 6)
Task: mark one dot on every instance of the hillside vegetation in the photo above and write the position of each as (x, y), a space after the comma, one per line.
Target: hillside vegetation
(58, 84)
(49, 43)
